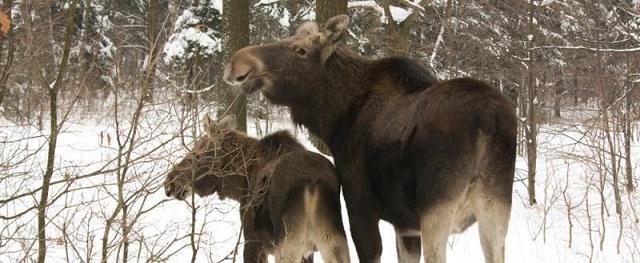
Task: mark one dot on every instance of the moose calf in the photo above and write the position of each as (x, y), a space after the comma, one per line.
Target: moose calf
(289, 197)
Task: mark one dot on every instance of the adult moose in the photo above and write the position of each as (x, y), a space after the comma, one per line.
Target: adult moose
(430, 157)
(289, 197)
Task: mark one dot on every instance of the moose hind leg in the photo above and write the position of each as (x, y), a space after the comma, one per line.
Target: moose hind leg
(331, 243)
(435, 227)
(493, 221)
(291, 251)
(408, 247)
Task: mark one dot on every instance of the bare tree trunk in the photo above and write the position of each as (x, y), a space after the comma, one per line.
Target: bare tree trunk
(604, 111)
(557, 98)
(628, 122)
(53, 89)
(237, 17)
(155, 25)
(532, 129)
(589, 228)
(398, 42)
(329, 8)
(575, 88)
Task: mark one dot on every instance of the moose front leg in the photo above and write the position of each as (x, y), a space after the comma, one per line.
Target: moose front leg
(363, 220)
(254, 250)
(408, 246)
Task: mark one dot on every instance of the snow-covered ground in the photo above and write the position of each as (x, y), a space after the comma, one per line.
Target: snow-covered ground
(85, 194)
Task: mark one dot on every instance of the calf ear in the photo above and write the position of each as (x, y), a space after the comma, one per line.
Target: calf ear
(228, 122)
(208, 124)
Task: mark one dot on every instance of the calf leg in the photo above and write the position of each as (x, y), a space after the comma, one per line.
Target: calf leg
(291, 251)
(331, 243)
(493, 221)
(407, 247)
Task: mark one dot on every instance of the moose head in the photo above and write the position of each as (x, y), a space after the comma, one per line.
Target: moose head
(279, 70)
(202, 169)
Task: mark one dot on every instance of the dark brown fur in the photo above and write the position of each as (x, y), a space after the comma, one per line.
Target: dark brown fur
(282, 189)
(429, 157)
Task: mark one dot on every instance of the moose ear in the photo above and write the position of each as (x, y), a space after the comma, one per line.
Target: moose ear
(228, 122)
(336, 28)
(208, 124)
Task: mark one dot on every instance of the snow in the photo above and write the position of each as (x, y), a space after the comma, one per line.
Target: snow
(544, 2)
(369, 4)
(187, 40)
(537, 233)
(284, 19)
(179, 43)
(187, 18)
(399, 14)
(267, 2)
(217, 4)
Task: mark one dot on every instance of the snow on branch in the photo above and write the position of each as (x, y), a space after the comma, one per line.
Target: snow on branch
(266, 2)
(413, 4)
(367, 4)
(194, 34)
(622, 50)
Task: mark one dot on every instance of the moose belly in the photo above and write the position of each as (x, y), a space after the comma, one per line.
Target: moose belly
(395, 191)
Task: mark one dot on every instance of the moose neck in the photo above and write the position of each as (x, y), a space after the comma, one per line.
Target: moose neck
(335, 97)
(237, 164)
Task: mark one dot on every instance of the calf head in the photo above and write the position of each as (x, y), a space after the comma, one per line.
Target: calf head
(200, 170)
(282, 70)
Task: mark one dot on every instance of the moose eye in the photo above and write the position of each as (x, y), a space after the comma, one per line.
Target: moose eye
(301, 52)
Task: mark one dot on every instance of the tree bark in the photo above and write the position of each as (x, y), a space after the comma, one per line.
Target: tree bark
(53, 135)
(155, 19)
(557, 98)
(398, 42)
(329, 8)
(532, 129)
(237, 18)
(628, 122)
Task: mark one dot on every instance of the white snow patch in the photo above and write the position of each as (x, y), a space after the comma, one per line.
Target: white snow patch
(267, 2)
(399, 14)
(284, 19)
(188, 39)
(217, 4)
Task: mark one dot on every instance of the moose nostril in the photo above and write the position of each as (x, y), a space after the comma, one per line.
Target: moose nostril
(242, 78)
